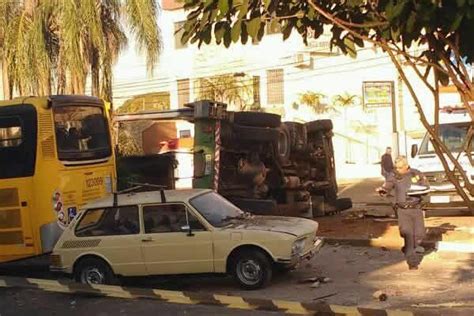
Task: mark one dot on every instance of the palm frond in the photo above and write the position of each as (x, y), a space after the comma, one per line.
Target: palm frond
(142, 20)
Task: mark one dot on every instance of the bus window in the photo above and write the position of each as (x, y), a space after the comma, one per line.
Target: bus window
(17, 141)
(81, 132)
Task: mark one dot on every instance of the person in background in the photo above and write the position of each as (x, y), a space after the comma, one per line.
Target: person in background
(409, 186)
(386, 163)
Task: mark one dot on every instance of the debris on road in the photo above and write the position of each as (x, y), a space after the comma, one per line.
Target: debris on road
(316, 284)
(324, 296)
(380, 295)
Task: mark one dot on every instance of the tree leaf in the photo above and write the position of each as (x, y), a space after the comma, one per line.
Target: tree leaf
(219, 31)
(267, 3)
(350, 46)
(443, 78)
(243, 9)
(223, 6)
(236, 30)
(457, 21)
(253, 26)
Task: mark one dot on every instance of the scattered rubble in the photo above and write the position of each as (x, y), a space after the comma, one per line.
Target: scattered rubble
(380, 295)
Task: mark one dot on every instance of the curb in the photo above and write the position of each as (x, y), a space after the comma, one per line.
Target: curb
(236, 302)
(439, 246)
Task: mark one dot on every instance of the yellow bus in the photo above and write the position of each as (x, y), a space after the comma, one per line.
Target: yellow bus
(55, 156)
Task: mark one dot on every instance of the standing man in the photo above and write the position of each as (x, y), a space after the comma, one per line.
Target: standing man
(410, 185)
(386, 163)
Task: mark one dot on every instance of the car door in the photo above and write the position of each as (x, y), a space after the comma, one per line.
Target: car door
(114, 234)
(174, 241)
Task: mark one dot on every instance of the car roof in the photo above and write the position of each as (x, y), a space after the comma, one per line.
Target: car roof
(146, 198)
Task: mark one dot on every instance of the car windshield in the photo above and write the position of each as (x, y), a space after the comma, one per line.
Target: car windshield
(453, 136)
(216, 209)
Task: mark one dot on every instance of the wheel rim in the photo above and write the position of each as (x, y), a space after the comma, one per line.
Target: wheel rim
(92, 275)
(249, 271)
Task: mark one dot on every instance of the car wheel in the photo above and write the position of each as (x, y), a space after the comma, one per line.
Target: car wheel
(94, 271)
(252, 269)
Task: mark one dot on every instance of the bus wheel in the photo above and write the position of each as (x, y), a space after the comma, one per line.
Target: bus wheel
(94, 271)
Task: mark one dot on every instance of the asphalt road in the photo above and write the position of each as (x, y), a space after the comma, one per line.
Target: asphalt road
(16, 302)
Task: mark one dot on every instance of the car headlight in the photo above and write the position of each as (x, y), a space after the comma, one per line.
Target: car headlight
(298, 247)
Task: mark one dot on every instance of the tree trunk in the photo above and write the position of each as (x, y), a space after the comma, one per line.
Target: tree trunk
(95, 88)
(7, 89)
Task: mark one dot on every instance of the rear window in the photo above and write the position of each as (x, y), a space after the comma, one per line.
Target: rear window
(110, 221)
(18, 129)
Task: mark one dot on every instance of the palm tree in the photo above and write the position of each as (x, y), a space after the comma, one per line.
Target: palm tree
(314, 101)
(54, 45)
(227, 88)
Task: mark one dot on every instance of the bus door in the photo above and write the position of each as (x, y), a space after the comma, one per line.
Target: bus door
(18, 131)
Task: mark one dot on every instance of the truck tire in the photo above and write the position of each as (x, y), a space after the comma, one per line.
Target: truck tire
(319, 125)
(241, 133)
(298, 136)
(283, 145)
(257, 119)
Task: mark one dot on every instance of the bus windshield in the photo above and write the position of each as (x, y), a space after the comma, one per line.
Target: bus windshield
(81, 132)
(452, 135)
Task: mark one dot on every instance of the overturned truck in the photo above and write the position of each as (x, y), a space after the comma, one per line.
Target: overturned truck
(261, 164)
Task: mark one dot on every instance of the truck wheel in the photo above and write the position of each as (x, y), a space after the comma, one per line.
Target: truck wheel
(319, 125)
(257, 119)
(252, 269)
(250, 133)
(94, 271)
(298, 135)
(283, 146)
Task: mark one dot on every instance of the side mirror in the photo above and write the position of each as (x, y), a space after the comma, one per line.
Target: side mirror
(187, 228)
(414, 150)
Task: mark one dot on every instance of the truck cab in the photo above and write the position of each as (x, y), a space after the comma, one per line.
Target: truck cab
(453, 131)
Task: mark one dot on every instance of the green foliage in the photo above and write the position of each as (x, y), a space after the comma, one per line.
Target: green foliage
(314, 101)
(229, 89)
(146, 102)
(402, 22)
(52, 46)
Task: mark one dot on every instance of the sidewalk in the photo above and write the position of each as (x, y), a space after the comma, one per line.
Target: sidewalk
(442, 233)
(368, 224)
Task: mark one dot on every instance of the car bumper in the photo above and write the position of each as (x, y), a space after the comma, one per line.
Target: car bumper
(295, 260)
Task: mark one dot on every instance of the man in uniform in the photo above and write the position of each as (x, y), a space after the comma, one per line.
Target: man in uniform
(409, 185)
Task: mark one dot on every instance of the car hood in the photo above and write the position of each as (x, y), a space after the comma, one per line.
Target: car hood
(289, 225)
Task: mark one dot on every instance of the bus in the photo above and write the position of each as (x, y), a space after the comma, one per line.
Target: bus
(55, 156)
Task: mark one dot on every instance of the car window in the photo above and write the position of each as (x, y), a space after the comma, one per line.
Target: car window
(216, 209)
(168, 218)
(110, 221)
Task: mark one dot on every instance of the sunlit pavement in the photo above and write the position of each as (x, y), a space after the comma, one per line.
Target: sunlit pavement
(444, 280)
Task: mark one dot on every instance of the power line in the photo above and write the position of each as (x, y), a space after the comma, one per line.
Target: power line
(164, 85)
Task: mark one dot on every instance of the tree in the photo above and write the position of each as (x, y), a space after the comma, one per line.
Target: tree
(313, 100)
(226, 88)
(52, 46)
(432, 37)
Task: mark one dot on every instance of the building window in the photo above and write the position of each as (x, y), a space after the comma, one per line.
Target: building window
(178, 34)
(183, 92)
(275, 87)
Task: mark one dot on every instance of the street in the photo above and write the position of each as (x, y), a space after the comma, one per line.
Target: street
(444, 283)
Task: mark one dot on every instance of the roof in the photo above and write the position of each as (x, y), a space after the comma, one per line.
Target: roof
(146, 197)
